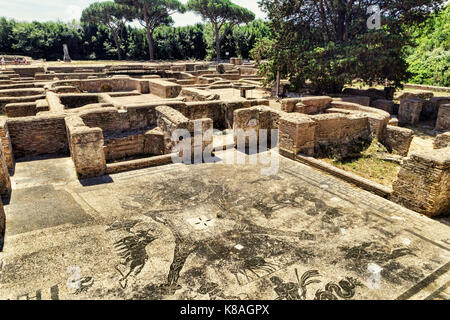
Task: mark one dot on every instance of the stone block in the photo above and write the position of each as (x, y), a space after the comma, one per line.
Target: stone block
(442, 141)
(86, 148)
(385, 105)
(154, 142)
(431, 107)
(398, 139)
(423, 184)
(416, 95)
(393, 122)
(6, 144)
(23, 109)
(5, 181)
(164, 89)
(443, 118)
(409, 111)
(297, 134)
(341, 135)
(362, 100)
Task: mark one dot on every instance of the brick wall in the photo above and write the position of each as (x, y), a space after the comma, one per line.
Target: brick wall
(423, 184)
(6, 144)
(5, 182)
(24, 109)
(86, 148)
(341, 135)
(443, 118)
(398, 139)
(32, 136)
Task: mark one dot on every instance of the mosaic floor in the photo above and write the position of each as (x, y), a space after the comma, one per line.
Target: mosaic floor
(214, 231)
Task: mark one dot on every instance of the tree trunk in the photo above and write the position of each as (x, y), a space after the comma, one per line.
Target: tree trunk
(149, 33)
(341, 18)
(217, 45)
(150, 44)
(117, 41)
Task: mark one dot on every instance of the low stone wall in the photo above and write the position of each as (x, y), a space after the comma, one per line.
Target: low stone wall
(21, 92)
(374, 94)
(23, 109)
(362, 100)
(164, 89)
(2, 225)
(136, 164)
(297, 133)
(431, 107)
(425, 95)
(116, 83)
(385, 105)
(423, 184)
(169, 120)
(6, 143)
(32, 136)
(193, 94)
(5, 182)
(221, 112)
(67, 76)
(334, 134)
(426, 87)
(138, 143)
(340, 136)
(27, 71)
(7, 100)
(410, 110)
(249, 121)
(378, 119)
(312, 105)
(54, 102)
(86, 148)
(124, 145)
(75, 68)
(398, 139)
(443, 118)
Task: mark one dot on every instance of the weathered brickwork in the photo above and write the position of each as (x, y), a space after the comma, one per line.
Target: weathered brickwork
(133, 143)
(443, 118)
(86, 148)
(297, 133)
(385, 105)
(398, 139)
(6, 143)
(431, 107)
(32, 136)
(410, 110)
(164, 89)
(5, 182)
(442, 141)
(423, 184)
(341, 136)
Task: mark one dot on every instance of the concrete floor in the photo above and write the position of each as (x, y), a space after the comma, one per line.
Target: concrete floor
(214, 231)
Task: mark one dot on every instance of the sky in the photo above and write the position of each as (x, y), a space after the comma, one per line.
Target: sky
(67, 10)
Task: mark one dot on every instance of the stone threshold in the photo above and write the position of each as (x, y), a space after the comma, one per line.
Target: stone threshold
(358, 181)
(138, 164)
(426, 87)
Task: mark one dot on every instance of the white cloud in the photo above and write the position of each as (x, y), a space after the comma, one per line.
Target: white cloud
(73, 12)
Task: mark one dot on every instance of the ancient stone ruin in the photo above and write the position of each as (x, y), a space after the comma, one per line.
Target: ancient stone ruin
(121, 117)
(91, 148)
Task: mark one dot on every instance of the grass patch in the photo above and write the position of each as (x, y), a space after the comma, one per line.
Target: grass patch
(369, 166)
